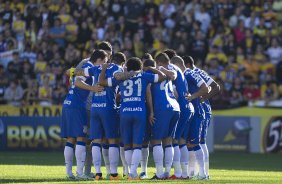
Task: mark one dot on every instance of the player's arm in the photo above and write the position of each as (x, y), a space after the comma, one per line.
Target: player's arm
(149, 103)
(203, 90)
(175, 92)
(124, 75)
(215, 89)
(80, 83)
(171, 74)
(161, 75)
(102, 78)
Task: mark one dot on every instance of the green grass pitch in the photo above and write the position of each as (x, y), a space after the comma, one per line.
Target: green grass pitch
(40, 167)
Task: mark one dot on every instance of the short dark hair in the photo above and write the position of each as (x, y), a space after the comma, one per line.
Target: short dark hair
(170, 53)
(149, 62)
(105, 46)
(98, 54)
(147, 56)
(134, 64)
(162, 58)
(119, 58)
(188, 60)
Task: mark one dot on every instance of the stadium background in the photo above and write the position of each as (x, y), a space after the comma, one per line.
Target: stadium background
(237, 42)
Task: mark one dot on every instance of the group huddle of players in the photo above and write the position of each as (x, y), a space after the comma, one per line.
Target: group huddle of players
(162, 102)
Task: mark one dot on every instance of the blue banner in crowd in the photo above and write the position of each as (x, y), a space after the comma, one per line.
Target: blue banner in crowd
(30, 133)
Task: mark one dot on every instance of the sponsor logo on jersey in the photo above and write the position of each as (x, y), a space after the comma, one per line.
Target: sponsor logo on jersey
(132, 99)
(132, 109)
(99, 105)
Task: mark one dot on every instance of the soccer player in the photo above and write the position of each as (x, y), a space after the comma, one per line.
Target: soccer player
(167, 112)
(104, 116)
(74, 117)
(197, 88)
(187, 111)
(215, 88)
(133, 111)
(150, 120)
(106, 46)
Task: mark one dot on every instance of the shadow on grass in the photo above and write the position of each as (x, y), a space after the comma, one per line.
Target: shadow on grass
(218, 160)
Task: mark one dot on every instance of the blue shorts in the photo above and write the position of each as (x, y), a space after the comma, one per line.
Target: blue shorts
(147, 136)
(74, 122)
(132, 127)
(104, 123)
(165, 124)
(195, 129)
(182, 126)
(205, 128)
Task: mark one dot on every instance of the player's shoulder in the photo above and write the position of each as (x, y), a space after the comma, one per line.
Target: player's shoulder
(173, 67)
(87, 64)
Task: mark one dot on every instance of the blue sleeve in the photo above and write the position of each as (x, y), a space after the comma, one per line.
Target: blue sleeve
(91, 71)
(112, 82)
(194, 78)
(151, 78)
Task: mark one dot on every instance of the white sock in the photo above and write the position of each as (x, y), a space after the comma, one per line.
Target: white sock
(80, 155)
(144, 160)
(136, 158)
(184, 160)
(68, 154)
(124, 163)
(128, 157)
(105, 153)
(191, 161)
(168, 158)
(88, 160)
(114, 158)
(206, 157)
(200, 160)
(158, 155)
(176, 161)
(96, 156)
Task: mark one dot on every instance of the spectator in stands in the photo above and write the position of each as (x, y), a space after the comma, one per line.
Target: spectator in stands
(45, 93)
(222, 36)
(14, 93)
(3, 83)
(30, 95)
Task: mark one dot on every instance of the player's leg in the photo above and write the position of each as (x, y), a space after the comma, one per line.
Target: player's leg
(144, 160)
(126, 136)
(88, 160)
(145, 151)
(68, 154)
(158, 133)
(184, 158)
(203, 141)
(111, 128)
(80, 155)
(124, 163)
(138, 129)
(105, 154)
(169, 150)
(184, 115)
(194, 144)
(66, 132)
(96, 134)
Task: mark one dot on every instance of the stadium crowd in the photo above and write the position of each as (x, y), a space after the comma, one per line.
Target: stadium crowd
(237, 42)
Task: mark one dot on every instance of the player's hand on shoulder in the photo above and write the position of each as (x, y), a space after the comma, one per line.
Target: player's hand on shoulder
(97, 88)
(70, 72)
(105, 66)
(189, 97)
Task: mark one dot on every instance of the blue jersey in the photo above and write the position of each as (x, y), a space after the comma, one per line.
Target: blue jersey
(105, 98)
(133, 92)
(181, 87)
(194, 82)
(208, 80)
(163, 97)
(77, 97)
